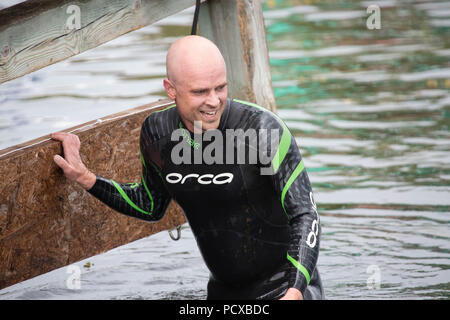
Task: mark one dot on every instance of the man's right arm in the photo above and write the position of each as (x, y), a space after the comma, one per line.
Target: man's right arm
(146, 200)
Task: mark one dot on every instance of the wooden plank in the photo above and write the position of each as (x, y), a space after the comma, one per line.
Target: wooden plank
(37, 33)
(47, 222)
(237, 28)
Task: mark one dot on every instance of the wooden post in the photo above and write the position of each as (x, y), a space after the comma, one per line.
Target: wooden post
(47, 222)
(237, 28)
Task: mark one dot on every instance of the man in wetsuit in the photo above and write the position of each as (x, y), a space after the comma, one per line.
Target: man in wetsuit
(255, 221)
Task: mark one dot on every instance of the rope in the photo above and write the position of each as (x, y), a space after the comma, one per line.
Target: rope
(194, 23)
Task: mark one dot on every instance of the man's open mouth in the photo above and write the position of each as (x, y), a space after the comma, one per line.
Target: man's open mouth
(209, 113)
(209, 116)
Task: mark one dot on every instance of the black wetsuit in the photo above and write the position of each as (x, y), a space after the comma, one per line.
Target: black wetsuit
(258, 233)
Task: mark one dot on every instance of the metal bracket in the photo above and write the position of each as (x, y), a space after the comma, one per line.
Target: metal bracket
(178, 228)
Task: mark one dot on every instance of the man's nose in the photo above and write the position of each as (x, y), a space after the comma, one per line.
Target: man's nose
(213, 99)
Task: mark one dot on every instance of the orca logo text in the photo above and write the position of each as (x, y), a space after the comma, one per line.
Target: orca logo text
(221, 178)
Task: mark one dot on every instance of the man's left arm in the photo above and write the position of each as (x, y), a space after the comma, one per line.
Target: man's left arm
(291, 181)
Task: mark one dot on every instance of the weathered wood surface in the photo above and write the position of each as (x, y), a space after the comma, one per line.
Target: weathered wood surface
(47, 222)
(237, 28)
(37, 33)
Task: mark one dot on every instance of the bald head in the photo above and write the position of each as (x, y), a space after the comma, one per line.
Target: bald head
(197, 82)
(191, 54)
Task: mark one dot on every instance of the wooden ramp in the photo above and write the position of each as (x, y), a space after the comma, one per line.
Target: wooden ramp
(46, 221)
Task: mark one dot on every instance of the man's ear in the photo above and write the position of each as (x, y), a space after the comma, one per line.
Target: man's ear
(170, 89)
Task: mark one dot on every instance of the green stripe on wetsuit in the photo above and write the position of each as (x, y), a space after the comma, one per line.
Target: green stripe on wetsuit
(145, 166)
(282, 150)
(285, 141)
(300, 267)
(169, 107)
(142, 159)
(291, 179)
(149, 194)
(128, 200)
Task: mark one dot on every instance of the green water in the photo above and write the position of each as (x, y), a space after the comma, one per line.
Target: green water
(370, 110)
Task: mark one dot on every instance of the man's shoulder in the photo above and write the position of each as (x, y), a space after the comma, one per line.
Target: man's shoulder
(250, 115)
(160, 123)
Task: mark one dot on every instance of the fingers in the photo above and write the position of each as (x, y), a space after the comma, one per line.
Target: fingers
(70, 171)
(61, 162)
(71, 144)
(67, 139)
(65, 166)
(71, 163)
(60, 136)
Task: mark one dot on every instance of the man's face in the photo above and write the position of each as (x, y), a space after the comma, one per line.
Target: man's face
(200, 95)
